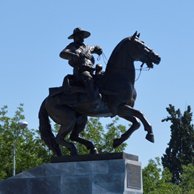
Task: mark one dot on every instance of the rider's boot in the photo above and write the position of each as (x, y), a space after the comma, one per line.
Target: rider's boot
(93, 93)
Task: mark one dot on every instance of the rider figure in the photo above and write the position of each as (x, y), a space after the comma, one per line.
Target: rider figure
(80, 57)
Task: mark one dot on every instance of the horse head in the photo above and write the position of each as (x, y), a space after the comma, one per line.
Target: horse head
(139, 51)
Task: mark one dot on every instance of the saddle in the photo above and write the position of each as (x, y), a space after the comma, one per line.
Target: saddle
(74, 94)
(69, 86)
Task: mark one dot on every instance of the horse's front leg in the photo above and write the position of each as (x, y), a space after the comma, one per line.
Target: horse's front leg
(126, 111)
(135, 125)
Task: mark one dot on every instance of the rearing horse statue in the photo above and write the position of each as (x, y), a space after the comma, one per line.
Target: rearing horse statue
(116, 85)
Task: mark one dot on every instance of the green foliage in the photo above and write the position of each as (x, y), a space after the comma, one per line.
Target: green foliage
(151, 175)
(157, 181)
(180, 149)
(187, 179)
(30, 151)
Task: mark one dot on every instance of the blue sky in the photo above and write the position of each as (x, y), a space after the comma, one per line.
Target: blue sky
(34, 32)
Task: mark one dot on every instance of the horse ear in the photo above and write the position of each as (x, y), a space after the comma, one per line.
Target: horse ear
(134, 36)
(138, 35)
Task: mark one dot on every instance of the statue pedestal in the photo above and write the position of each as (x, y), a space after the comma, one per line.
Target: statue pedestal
(117, 173)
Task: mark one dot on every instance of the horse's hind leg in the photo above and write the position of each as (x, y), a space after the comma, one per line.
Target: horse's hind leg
(127, 110)
(67, 119)
(79, 127)
(135, 125)
(63, 132)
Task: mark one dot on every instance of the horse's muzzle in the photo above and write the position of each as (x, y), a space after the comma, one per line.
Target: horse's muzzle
(157, 59)
(154, 59)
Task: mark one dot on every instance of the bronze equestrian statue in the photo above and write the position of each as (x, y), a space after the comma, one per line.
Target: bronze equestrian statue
(71, 104)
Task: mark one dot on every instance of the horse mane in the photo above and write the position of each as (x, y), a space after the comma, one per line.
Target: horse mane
(115, 55)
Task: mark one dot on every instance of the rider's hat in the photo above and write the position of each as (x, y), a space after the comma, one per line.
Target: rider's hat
(77, 31)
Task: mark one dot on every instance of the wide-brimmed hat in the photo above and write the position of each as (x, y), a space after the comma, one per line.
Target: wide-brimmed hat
(77, 31)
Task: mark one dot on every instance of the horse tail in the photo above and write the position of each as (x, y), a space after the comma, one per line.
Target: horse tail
(45, 130)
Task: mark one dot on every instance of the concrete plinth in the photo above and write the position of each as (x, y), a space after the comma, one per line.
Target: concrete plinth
(118, 173)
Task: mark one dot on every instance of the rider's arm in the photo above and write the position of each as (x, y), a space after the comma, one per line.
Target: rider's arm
(68, 54)
(97, 50)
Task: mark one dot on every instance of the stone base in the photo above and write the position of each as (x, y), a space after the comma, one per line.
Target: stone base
(117, 173)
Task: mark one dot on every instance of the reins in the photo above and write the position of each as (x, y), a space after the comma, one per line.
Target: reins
(140, 70)
(103, 58)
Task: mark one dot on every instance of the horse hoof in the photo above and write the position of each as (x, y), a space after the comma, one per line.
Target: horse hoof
(116, 143)
(150, 137)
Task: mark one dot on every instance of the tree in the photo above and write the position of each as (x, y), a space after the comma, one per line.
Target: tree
(187, 179)
(157, 181)
(30, 151)
(180, 148)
